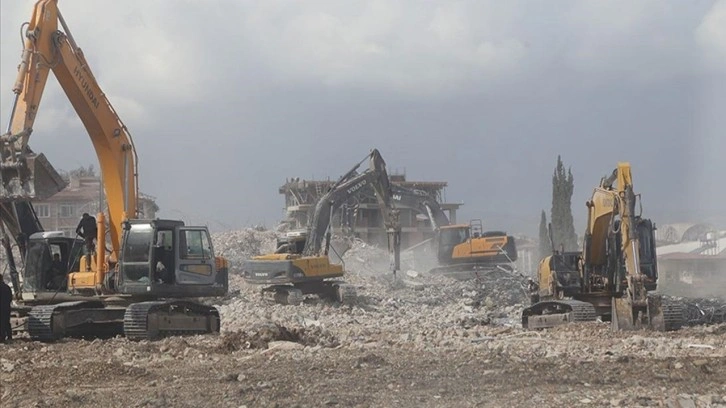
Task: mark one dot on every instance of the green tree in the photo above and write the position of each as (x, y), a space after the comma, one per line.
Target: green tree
(563, 226)
(544, 239)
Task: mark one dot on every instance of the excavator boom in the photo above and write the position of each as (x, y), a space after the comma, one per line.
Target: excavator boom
(27, 176)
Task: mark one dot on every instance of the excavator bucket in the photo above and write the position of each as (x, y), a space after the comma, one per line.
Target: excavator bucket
(33, 178)
(659, 315)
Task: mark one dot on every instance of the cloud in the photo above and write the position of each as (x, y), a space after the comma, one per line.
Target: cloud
(432, 47)
(230, 96)
(711, 36)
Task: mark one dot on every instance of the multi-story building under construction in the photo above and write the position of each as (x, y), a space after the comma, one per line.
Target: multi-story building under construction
(361, 215)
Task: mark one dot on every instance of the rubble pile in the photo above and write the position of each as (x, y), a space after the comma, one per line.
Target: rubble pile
(237, 246)
(262, 335)
(412, 308)
(700, 311)
(409, 340)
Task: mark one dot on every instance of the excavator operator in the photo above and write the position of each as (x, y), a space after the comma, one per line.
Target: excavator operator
(88, 230)
(58, 274)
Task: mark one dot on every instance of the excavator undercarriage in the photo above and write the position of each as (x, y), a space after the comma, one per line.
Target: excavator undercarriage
(149, 320)
(293, 294)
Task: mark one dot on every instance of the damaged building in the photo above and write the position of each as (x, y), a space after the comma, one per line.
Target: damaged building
(63, 210)
(694, 268)
(361, 215)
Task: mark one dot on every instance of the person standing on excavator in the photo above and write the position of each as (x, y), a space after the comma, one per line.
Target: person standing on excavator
(88, 230)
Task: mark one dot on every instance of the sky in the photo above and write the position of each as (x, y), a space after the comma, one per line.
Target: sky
(226, 99)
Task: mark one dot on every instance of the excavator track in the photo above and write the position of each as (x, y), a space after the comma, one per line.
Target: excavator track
(553, 313)
(53, 322)
(337, 291)
(40, 320)
(665, 314)
(674, 315)
(283, 294)
(157, 319)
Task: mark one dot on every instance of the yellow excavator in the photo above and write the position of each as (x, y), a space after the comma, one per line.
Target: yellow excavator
(301, 264)
(144, 284)
(613, 274)
(462, 250)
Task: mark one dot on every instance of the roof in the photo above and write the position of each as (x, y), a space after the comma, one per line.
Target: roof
(302, 184)
(689, 257)
(87, 189)
(694, 250)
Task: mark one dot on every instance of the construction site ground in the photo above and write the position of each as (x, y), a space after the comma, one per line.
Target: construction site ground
(418, 341)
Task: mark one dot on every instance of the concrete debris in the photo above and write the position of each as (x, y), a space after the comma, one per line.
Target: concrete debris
(237, 246)
(414, 340)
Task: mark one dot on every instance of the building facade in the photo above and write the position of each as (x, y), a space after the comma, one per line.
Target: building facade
(63, 210)
(361, 215)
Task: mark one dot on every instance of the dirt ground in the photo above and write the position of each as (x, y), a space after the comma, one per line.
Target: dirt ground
(568, 366)
(426, 341)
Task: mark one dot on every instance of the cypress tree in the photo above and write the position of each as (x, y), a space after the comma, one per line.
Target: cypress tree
(544, 239)
(563, 226)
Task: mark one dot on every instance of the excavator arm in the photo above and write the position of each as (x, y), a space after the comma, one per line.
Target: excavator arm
(347, 186)
(46, 49)
(422, 202)
(612, 230)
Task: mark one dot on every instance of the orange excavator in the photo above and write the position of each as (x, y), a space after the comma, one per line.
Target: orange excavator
(144, 283)
(462, 250)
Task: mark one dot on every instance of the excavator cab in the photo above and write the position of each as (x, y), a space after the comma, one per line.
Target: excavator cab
(49, 258)
(293, 242)
(448, 237)
(166, 258)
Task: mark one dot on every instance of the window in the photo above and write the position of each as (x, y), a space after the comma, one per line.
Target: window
(195, 244)
(138, 243)
(67, 211)
(135, 255)
(42, 210)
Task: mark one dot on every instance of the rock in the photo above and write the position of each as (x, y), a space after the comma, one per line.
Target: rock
(284, 345)
(700, 363)
(617, 402)
(686, 402)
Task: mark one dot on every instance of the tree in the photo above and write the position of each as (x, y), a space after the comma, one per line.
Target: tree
(79, 172)
(544, 238)
(83, 172)
(563, 226)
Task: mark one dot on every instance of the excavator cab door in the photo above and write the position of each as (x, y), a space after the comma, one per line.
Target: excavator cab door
(195, 257)
(135, 259)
